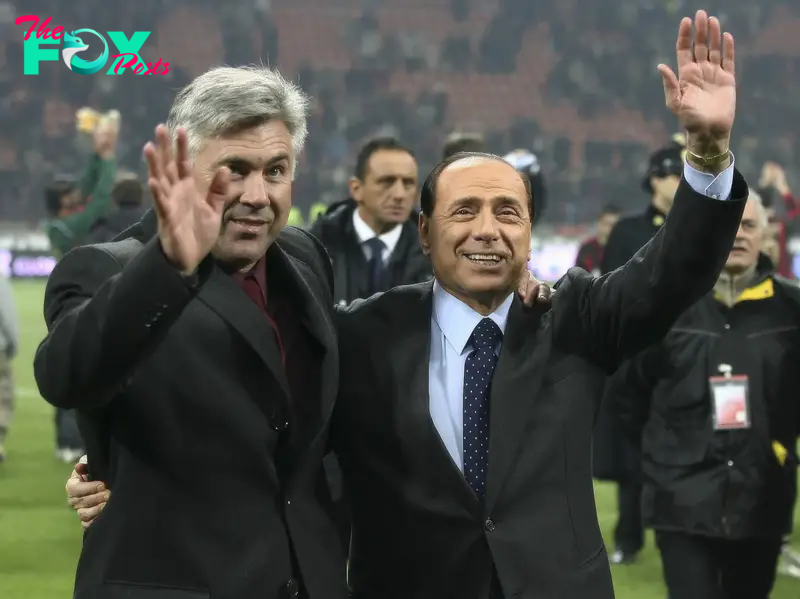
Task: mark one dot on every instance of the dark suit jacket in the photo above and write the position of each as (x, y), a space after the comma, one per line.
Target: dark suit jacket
(335, 230)
(418, 530)
(186, 407)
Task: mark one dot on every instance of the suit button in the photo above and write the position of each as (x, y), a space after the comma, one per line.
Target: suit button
(488, 525)
(292, 588)
(280, 424)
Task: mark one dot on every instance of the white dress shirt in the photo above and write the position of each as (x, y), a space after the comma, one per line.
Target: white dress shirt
(364, 233)
(452, 323)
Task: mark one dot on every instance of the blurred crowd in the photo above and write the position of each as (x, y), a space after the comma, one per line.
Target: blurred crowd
(573, 81)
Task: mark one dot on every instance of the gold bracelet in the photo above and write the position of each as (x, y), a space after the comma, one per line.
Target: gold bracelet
(706, 161)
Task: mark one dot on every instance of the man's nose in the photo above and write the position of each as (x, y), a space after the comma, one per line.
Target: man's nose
(485, 226)
(398, 191)
(255, 191)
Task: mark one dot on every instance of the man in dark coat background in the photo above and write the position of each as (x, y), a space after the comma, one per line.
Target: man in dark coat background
(615, 458)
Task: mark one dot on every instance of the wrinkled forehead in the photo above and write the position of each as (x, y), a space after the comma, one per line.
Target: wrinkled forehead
(254, 147)
(481, 178)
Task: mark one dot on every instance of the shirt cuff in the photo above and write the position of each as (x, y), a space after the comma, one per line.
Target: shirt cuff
(718, 187)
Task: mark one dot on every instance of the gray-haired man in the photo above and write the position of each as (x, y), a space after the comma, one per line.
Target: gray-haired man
(201, 356)
(9, 342)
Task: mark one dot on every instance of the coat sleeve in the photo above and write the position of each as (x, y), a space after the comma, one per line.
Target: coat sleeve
(630, 390)
(610, 318)
(104, 319)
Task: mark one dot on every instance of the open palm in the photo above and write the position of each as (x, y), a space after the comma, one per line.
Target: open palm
(189, 218)
(703, 95)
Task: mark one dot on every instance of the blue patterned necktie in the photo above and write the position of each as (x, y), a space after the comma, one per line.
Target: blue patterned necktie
(375, 265)
(477, 384)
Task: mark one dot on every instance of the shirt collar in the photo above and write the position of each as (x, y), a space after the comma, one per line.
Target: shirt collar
(457, 320)
(258, 272)
(364, 232)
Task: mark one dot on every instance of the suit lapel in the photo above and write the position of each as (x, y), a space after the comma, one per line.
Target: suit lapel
(515, 387)
(312, 314)
(409, 351)
(315, 316)
(224, 296)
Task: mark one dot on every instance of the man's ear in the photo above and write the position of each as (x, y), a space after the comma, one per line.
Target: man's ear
(424, 234)
(355, 186)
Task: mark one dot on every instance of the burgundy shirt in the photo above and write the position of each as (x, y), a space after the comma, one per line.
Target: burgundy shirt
(299, 350)
(254, 284)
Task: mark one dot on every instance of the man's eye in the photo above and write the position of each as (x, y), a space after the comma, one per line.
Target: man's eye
(277, 171)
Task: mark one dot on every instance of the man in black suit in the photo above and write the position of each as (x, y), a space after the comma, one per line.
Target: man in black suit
(464, 422)
(470, 476)
(202, 341)
(371, 237)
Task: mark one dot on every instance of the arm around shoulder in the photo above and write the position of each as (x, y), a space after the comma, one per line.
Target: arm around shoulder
(611, 318)
(105, 313)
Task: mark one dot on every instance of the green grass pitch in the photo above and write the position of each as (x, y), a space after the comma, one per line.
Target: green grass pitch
(40, 537)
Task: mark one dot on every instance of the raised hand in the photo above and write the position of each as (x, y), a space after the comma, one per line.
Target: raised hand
(703, 95)
(104, 139)
(189, 213)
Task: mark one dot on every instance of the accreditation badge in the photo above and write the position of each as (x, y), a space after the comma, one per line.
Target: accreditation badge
(730, 402)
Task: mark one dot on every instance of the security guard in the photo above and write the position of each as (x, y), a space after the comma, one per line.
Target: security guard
(718, 427)
(615, 459)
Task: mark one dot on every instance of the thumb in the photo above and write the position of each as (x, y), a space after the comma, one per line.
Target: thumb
(672, 89)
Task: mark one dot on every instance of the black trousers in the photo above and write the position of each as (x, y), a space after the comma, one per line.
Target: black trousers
(698, 567)
(68, 436)
(629, 532)
(790, 522)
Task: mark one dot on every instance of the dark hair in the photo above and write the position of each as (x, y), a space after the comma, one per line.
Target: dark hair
(373, 146)
(127, 192)
(463, 142)
(610, 209)
(55, 191)
(428, 192)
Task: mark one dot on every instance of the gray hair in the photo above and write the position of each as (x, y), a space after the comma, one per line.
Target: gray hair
(225, 100)
(763, 218)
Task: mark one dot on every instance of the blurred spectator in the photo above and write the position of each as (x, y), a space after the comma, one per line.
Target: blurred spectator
(372, 236)
(128, 207)
(9, 344)
(463, 142)
(590, 253)
(574, 82)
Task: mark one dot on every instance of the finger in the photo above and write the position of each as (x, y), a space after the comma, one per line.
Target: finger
(89, 514)
(168, 168)
(159, 198)
(714, 41)
(153, 160)
(218, 190)
(728, 54)
(672, 90)
(155, 168)
(701, 36)
(544, 293)
(88, 501)
(77, 488)
(182, 160)
(683, 47)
